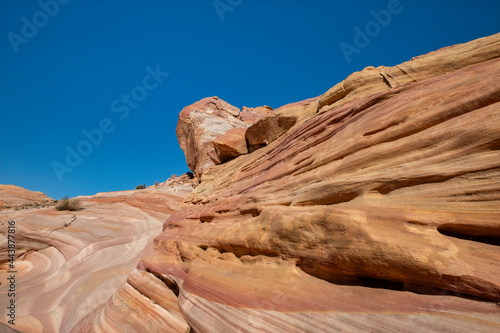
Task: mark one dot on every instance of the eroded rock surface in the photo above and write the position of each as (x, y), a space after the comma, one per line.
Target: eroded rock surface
(15, 197)
(70, 263)
(376, 210)
(201, 123)
(231, 144)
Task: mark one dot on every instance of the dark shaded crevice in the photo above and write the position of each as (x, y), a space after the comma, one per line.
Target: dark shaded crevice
(240, 251)
(67, 224)
(494, 145)
(205, 219)
(386, 81)
(322, 272)
(169, 283)
(250, 211)
(398, 184)
(476, 233)
(334, 199)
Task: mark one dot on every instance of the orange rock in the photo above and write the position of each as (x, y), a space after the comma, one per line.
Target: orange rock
(201, 123)
(17, 197)
(70, 263)
(269, 128)
(231, 144)
(372, 80)
(371, 212)
(251, 115)
(379, 213)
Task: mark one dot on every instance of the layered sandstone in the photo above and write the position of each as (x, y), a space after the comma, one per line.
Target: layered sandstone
(70, 263)
(15, 197)
(373, 208)
(201, 123)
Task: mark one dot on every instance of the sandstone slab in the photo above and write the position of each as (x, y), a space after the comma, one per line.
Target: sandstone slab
(231, 144)
(70, 263)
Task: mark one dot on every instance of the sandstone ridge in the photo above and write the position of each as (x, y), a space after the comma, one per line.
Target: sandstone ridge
(70, 263)
(372, 208)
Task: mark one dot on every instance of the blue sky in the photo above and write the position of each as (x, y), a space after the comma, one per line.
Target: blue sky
(60, 76)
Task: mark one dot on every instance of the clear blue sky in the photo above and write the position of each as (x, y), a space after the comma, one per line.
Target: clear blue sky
(87, 54)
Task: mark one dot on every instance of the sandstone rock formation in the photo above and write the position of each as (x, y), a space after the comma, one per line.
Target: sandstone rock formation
(212, 131)
(201, 123)
(373, 208)
(269, 128)
(251, 115)
(19, 198)
(70, 263)
(231, 144)
(372, 80)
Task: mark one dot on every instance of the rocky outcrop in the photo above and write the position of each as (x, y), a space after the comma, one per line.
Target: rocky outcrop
(372, 80)
(269, 128)
(229, 145)
(371, 209)
(201, 123)
(70, 263)
(16, 197)
(251, 115)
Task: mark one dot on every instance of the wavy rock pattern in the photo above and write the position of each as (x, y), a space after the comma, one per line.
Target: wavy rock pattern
(70, 263)
(376, 211)
(372, 208)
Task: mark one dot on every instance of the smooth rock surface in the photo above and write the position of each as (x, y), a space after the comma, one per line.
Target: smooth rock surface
(16, 197)
(230, 145)
(380, 212)
(70, 263)
(373, 80)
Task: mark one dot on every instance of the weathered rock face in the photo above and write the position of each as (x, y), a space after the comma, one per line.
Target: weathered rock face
(269, 128)
(201, 123)
(231, 144)
(19, 198)
(251, 115)
(70, 263)
(375, 211)
(372, 80)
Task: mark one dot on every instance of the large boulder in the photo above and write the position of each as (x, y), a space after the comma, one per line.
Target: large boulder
(251, 115)
(201, 123)
(230, 145)
(270, 127)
